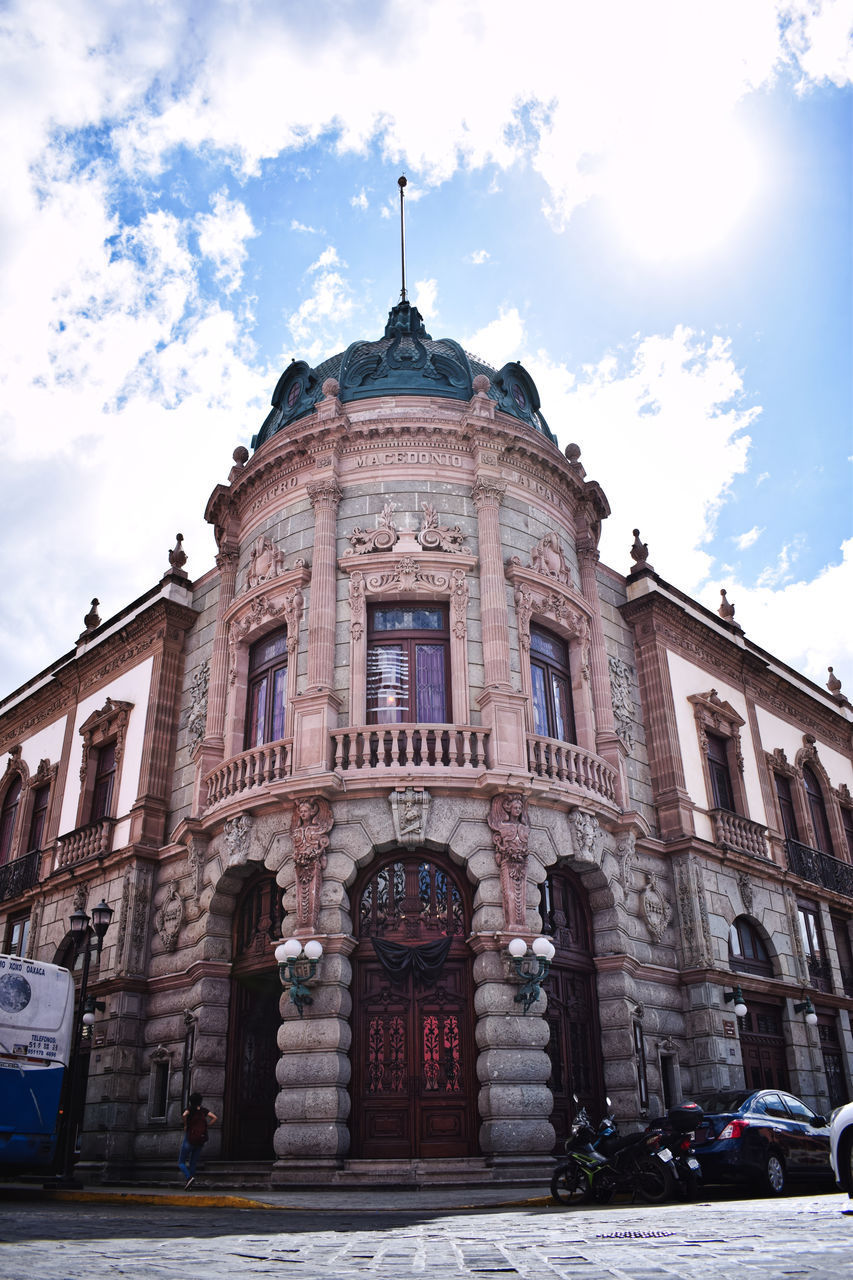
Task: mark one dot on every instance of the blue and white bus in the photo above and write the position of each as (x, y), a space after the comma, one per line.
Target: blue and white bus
(36, 1022)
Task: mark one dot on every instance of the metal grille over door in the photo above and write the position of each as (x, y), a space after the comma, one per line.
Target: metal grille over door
(413, 1053)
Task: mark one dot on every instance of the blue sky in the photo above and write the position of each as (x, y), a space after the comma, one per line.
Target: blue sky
(650, 204)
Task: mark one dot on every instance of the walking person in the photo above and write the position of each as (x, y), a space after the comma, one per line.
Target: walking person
(196, 1120)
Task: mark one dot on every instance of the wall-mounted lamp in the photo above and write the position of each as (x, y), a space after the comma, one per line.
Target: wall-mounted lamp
(530, 970)
(740, 1009)
(297, 965)
(806, 1007)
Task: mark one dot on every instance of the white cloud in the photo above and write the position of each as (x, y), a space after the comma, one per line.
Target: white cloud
(222, 237)
(424, 298)
(780, 572)
(499, 340)
(746, 540)
(359, 201)
(320, 320)
(478, 257)
(296, 225)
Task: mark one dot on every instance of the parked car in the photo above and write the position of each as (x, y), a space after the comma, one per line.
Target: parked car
(762, 1137)
(841, 1146)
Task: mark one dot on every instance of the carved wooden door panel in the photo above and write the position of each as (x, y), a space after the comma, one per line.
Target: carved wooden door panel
(414, 1084)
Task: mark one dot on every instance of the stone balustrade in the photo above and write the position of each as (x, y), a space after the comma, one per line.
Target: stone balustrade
(85, 842)
(410, 746)
(564, 762)
(251, 770)
(731, 831)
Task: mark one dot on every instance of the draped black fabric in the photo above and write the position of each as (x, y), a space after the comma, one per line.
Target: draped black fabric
(425, 962)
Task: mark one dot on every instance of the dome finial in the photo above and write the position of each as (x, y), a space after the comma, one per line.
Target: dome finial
(401, 183)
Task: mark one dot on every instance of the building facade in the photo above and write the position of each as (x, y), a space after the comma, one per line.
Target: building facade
(410, 715)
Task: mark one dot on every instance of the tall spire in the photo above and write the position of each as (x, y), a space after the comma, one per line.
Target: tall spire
(401, 183)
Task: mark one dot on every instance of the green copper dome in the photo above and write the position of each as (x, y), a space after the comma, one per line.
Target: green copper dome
(405, 361)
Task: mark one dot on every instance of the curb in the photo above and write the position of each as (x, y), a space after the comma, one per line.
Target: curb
(213, 1200)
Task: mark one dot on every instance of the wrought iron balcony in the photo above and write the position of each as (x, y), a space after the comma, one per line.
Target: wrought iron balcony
(847, 981)
(410, 746)
(251, 770)
(731, 831)
(820, 868)
(18, 876)
(564, 762)
(85, 842)
(820, 976)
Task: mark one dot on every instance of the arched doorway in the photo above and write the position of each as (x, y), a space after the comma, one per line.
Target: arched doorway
(249, 1122)
(413, 1080)
(574, 1041)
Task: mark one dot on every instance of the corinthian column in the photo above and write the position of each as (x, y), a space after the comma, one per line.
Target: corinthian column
(502, 707)
(316, 710)
(607, 742)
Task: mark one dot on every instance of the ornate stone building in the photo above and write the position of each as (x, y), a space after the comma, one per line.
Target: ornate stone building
(409, 715)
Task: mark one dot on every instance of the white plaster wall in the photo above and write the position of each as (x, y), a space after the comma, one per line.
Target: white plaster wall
(776, 732)
(688, 679)
(46, 744)
(133, 687)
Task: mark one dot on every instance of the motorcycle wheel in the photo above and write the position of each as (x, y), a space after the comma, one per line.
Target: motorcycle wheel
(568, 1184)
(653, 1181)
(603, 1187)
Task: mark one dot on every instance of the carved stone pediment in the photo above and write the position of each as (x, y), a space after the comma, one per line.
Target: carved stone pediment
(105, 725)
(551, 601)
(266, 562)
(425, 573)
(279, 602)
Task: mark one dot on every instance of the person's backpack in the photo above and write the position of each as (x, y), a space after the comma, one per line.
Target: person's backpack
(196, 1128)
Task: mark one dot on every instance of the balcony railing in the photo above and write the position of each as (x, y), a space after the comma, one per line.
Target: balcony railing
(731, 831)
(820, 974)
(18, 876)
(562, 762)
(255, 768)
(85, 842)
(847, 980)
(820, 868)
(410, 746)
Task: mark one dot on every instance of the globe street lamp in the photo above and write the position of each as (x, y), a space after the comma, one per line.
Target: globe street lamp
(102, 914)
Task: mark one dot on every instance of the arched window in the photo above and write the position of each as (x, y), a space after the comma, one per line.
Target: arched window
(8, 814)
(408, 668)
(786, 806)
(817, 809)
(551, 682)
(38, 817)
(747, 949)
(267, 689)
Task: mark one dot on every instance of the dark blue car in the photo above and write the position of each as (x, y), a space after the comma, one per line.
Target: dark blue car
(765, 1138)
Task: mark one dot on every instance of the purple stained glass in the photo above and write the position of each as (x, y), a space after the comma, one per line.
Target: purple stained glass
(429, 666)
(540, 701)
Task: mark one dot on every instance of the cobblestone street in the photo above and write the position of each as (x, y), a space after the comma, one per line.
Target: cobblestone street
(799, 1236)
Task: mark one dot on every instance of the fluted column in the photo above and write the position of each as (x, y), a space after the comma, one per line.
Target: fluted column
(325, 496)
(210, 750)
(502, 706)
(315, 712)
(607, 741)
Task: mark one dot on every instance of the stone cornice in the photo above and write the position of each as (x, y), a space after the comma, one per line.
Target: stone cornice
(657, 620)
(161, 624)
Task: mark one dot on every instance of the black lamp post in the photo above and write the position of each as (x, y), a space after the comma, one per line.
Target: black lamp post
(102, 914)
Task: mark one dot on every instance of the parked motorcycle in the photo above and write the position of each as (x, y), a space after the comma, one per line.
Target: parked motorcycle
(678, 1131)
(598, 1164)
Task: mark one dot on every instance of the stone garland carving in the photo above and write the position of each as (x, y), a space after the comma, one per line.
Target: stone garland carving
(139, 927)
(695, 934)
(510, 827)
(459, 603)
(357, 605)
(237, 834)
(628, 858)
(266, 562)
(796, 937)
(623, 703)
(406, 575)
(656, 909)
(382, 538)
(197, 719)
(309, 829)
(547, 558)
(196, 851)
(169, 918)
(587, 836)
(294, 607)
(439, 537)
(409, 810)
(745, 885)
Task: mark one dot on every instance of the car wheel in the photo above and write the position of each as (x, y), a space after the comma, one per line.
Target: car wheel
(774, 1175)
(568, 1184)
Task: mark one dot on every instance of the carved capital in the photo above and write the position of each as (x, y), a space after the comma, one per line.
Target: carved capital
(325, 493)
(487, 492)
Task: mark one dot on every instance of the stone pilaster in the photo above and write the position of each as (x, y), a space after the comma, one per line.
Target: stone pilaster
(209, 753)
(608, 744)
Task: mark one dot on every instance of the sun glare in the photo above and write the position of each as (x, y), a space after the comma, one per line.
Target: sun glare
(683, 194)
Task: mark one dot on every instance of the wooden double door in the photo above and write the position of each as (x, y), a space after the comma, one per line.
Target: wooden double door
(413, 1083)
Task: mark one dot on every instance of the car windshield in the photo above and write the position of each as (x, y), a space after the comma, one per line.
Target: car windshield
(717, 1103)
